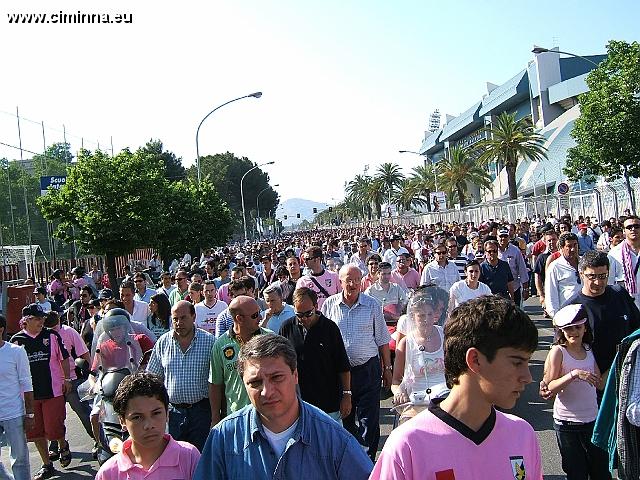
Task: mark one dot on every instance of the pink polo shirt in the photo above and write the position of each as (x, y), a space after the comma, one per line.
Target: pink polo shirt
(178, 461)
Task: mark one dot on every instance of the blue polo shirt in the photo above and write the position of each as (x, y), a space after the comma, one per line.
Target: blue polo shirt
(496, 277)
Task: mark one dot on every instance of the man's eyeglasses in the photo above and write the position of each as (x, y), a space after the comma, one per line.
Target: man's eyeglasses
(308, 259)
(491, 251)
(599, 276)
(138, 281)
(181, 278)
(253, 316)
(633, 226)
(84, 295)
(306, 314)
(373, 263)
(441, 253)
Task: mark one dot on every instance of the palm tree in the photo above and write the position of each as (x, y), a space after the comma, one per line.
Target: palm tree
(423, 179)
(458, 169)
(409, 195)
(390, 175)
(509, 141)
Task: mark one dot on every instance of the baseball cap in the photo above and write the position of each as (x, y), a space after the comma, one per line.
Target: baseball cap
(570, 315)
(503, 232)
(42, 290)
(33, 310)
(105, 294)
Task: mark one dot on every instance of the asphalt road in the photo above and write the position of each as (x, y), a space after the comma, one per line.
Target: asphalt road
(530, 407)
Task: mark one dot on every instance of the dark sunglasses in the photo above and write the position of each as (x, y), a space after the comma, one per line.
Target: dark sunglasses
(491, 251)
(306, 314)
(633, 226)
(254, 316)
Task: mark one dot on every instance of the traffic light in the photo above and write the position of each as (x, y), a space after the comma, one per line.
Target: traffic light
(298, 215)
(285, 217)
(315, 210)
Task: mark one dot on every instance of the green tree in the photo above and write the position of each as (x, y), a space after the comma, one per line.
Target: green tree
(423, 179)
(607, 131)
(459, 169)
(508, 142)
(409, 195)
(225, 170)
(193, 217)
(174, 171)
(109, 205)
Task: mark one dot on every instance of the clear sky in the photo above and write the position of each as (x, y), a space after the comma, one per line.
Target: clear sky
(345, 83)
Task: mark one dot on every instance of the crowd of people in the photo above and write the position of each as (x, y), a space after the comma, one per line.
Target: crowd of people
(269, 359)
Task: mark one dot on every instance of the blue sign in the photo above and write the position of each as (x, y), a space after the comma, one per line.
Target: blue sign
(563, 188)
(55, 182)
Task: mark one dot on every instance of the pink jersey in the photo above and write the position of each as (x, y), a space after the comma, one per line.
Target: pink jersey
(329, 282)
(429, 447)
(178, 460)
(75, 346)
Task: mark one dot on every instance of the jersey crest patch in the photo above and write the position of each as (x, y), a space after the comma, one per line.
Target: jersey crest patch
(327, 282)
(45, 342)
(446, 475)
(228, 353)
(517, 468)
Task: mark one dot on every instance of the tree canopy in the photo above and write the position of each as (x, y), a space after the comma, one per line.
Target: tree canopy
(607, 131)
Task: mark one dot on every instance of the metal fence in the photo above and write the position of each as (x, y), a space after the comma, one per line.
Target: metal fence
(601, 202)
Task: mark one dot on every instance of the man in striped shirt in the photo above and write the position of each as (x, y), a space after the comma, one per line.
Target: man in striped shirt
(366, 340)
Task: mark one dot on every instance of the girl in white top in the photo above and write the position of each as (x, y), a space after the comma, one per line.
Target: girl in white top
(418, 372)
(572, 374)
(469, 288)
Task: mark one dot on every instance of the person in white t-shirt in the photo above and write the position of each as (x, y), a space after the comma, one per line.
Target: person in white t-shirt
(469, 288)
(207, 311)
(16, 397)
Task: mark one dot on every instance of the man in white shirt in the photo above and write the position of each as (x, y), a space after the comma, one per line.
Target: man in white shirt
(16, 414)
(207, 311)
(41, 298)
(441, 271)
(391, 296)
(392, 254)
(137, 309)
(562, 279)
(625, 259)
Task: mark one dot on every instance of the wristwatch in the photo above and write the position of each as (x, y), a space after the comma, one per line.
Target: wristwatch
(346, 392)
(30, 415)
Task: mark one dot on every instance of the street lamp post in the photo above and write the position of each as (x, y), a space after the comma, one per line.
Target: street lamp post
(537, 50)
(433, 165)
(244, 217)
(254, 95)
(258, 197)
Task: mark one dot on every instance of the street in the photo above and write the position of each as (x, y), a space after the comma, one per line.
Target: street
(530, 407)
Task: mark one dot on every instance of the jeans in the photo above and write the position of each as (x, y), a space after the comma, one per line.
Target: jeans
(12, 433)
(191, 424)
(365, 400)
(581, 459)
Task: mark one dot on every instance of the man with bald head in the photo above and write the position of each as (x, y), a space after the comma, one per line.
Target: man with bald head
(366, 340)
(223, 377)
(181, 357)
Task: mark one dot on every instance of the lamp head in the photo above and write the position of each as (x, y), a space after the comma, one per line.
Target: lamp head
(255, 95)
(537, 49)
(402, 151)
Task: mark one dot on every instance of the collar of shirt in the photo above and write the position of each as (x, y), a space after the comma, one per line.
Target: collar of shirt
(301, 433)
(170, 457)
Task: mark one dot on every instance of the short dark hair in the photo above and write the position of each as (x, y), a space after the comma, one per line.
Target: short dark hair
(248, 282)
(471, 263)
(128, 284)
(375, 257)
(3, 322)
(302, 292)
(236, 285)
(487, 323)
(593, 259)
(268, 345)
(51, 319)
(631, 217)
(566, 237)
(140, 384)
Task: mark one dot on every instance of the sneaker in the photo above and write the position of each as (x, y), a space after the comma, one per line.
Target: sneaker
(46, 471)
(65, 456)
(54, 454)
(95, 450)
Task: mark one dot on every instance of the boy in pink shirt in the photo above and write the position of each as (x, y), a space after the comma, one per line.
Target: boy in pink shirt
(488, 344)
(142, 401)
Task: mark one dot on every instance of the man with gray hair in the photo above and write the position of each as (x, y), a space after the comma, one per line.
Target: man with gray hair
(277, 312)
(366, 340)
(278, 435)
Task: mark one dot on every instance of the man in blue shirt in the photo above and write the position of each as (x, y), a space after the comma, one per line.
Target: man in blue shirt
(278, 436)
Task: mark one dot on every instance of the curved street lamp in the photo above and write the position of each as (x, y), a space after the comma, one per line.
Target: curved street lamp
(258, 197)
(537, 50)
(244, 217)
(254, 95)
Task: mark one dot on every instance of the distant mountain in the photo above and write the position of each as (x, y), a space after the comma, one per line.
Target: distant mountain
(293, 206)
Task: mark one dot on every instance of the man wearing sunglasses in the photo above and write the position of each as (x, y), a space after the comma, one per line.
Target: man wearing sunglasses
(323, 366)
(324, 282)
(224, 379)
(625, 259)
